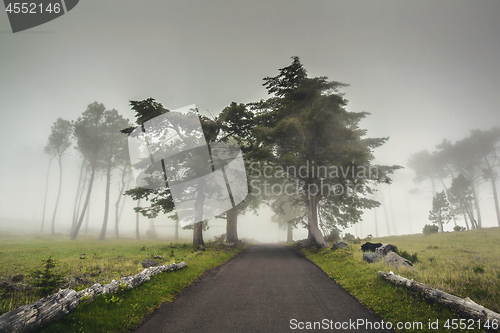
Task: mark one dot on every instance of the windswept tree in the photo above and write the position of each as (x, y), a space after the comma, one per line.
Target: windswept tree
(486, 145)
(113, 154)
(89, 134)
(431, 167)
(234, 124)
(461, 197)
(463, 158)
(57, 147)
(440, 213)
(289, 213)
(305, 127)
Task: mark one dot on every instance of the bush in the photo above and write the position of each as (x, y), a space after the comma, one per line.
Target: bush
(333, 236)
(349, 238)
(430, 229)
(45, 279)
(458, 228)
(412, 257)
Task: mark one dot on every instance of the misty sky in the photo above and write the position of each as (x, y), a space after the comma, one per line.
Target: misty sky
(425, 70)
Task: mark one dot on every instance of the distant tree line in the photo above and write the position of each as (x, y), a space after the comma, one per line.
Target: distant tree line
(102, 148)
(461, 169)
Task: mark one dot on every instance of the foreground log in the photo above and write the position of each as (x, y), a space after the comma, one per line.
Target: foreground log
(56, 306)
(466, 306)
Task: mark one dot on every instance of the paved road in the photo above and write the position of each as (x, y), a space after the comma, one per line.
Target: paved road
(263, 289)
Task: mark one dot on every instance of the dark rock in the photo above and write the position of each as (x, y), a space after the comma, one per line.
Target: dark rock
(370, 247)
(386, 248)
(149, 263)
(371, 257)
(340, 245)
(392, 259)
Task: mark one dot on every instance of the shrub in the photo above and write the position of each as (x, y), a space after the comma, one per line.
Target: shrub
(430, 229)
(458, 228)
(46, 279)
(333, 236)
(349, 238)
(412, 257)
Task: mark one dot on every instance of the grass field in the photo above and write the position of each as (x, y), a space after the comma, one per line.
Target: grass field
(465, 264)
(86, 261)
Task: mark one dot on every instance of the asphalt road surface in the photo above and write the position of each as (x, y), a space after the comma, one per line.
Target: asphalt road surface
(266, 288)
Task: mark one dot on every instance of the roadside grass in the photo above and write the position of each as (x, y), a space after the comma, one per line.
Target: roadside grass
(87, 261)
(452, 269)
(124, 311)
(465, 263)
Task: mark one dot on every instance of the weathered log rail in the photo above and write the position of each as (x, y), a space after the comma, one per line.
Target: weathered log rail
(466, 306)
(56, 306)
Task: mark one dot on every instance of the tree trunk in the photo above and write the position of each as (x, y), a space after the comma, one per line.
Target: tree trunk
(198, 206)
(198, 235)
(476, 205)
(312, 216)
(465, 306)
(58, 196)
(102, 236)
(492, 177)
(289, 232)
(385, 213)
(87, 218)
(448, 200)
(495, 197)
(75, 205)
(232, 225)
(176, 230)
(117, 203)
(80, 198)
(46, 191)
(392, 211)
(82, 215)
(137, 233)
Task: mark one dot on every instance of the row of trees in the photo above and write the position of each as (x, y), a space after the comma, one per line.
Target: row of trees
(302, 125)
(302, 128)
(461, 169)
(102, 148)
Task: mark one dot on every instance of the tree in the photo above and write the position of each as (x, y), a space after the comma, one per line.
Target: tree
(125, 181)
(461, 196)
(440, 213)
(464, 159)
(431, 167)
(59, 142)
(234, 124)
(289, 213)
(88, 130)
(304, 126)
(51, 158)
(113, 153)
(485, 144)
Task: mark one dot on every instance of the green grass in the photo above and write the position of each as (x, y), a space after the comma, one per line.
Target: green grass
(119, 312)
(463, 263)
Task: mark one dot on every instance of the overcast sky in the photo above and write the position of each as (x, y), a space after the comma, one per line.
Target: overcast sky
(425, 70)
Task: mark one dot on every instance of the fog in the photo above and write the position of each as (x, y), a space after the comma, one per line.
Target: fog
(424, 70)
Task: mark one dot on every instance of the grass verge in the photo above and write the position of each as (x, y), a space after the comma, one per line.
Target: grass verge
(85, 261)
(457, 253)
